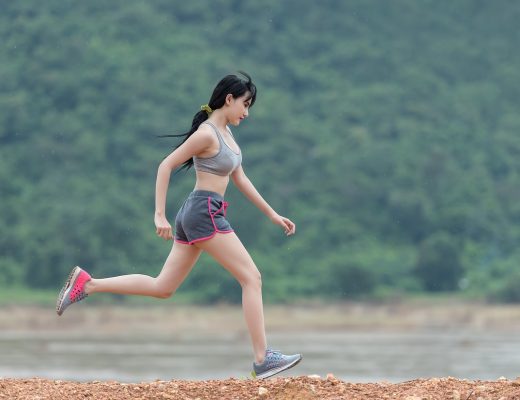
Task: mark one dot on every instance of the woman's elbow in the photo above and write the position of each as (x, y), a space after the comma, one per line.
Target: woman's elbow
(165, 166)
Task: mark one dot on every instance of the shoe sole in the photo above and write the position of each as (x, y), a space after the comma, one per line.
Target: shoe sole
(68, 285)
(275, 371)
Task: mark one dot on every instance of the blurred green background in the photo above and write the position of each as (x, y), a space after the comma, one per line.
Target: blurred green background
(388, 131)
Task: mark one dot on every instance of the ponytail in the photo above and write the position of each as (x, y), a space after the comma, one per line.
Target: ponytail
(198, 119)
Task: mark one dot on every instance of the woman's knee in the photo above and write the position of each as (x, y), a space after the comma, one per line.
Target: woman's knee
(253, 278)
(162, 291)
(164, 295)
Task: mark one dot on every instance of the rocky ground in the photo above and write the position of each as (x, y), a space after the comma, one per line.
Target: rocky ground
(298, 388)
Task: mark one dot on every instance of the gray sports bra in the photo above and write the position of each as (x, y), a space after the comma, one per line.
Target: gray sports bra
(223, 163)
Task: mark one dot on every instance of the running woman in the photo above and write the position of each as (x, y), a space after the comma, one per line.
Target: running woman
(201, 225)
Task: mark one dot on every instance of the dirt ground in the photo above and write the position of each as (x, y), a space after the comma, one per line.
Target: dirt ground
(299, 388)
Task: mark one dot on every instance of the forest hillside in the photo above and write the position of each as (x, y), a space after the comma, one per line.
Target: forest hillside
(387, 131)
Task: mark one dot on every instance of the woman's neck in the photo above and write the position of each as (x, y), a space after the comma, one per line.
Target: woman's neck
(219, 119)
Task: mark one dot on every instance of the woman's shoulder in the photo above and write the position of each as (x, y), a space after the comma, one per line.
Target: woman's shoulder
(204, 132)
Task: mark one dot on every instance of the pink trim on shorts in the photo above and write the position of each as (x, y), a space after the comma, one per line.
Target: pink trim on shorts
(212, 216)
(180, 241)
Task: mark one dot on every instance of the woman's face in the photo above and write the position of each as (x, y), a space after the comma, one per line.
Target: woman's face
(238, 108)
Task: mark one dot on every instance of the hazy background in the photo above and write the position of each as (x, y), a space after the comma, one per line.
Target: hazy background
(387, 130)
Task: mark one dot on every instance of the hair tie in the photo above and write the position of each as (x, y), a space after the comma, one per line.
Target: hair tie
(206, 108)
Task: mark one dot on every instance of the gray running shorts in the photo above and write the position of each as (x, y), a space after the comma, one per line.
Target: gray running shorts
(201, 217)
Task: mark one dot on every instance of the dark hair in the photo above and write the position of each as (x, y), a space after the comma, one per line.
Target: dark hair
(230, 84)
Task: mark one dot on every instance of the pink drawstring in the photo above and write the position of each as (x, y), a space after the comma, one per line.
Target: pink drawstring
(225, 204)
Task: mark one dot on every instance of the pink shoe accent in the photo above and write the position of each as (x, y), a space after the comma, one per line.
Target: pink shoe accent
(78, 291)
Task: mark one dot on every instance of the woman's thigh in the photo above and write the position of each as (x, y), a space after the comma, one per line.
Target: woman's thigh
(228, 251)
(178, 265)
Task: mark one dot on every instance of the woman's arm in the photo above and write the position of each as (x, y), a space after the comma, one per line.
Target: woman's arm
(195, 145)
(243, 184)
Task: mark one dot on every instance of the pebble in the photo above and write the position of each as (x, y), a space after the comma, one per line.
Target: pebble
(314, 376)
(456, 395)
(262, 391)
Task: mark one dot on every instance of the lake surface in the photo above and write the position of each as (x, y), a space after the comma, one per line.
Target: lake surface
(351, 356)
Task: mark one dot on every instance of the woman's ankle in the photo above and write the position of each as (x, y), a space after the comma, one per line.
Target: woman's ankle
(89, 287)
(259, 358)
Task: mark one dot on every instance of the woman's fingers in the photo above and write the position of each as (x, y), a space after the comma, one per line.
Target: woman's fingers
(290, 227)
(162, 227)
(165, 233)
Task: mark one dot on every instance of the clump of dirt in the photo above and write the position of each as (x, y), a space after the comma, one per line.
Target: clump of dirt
(297, 388)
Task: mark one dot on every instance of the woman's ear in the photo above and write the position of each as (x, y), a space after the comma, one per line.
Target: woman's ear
(229, 97)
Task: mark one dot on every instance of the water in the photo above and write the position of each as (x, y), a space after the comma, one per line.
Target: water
(351, 356)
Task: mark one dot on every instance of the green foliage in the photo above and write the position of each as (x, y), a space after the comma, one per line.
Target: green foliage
(388, 131)
(438, 266)
(504, 276)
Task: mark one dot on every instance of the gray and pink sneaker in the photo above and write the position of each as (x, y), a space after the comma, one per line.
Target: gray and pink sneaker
(73, 290)
(274, 363)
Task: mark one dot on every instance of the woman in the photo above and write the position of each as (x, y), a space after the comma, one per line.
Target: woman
(200, 224)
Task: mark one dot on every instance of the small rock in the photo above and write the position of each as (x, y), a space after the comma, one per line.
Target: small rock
(413, 398)
(262, 391)
(502, 378)
(314, 376)
(331, 377)
(456, 395)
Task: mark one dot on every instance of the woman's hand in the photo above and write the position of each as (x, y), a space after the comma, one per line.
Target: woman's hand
(163, 227)
(288, 226)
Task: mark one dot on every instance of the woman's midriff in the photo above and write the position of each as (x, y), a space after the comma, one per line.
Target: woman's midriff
(211, 182)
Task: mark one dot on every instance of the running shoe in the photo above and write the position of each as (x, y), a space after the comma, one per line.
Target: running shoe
(274, 363)
(73, 290)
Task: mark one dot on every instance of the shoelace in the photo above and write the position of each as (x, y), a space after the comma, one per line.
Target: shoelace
(276, 354)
